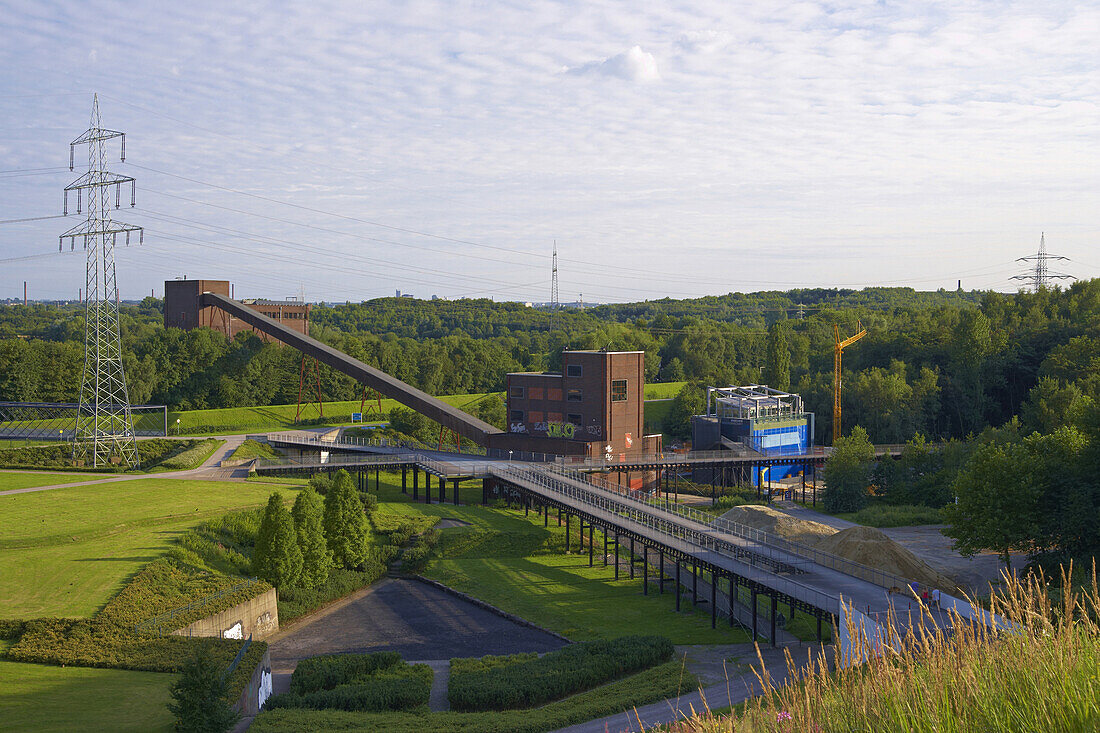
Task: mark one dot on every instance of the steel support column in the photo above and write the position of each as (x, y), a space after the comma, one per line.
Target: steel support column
(678, 589)
(660, 571)
(404, 479)
(774, 606)
(455, 486)
(645, 570)
(416, 483)
(754, 604)
(616, 556)
(713, 601)
(632, 558)
(694, 584)
(590, 545)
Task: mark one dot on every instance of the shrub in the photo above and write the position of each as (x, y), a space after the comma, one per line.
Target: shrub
(151, 453)
(199, 697)
(277, 557)
(416, 556)
(192, 457)
(345, 522)
(558, 674)
(308, 516)
(480, 664)
(295, 602)
(360, 682)
(11, 629)
(328, 671)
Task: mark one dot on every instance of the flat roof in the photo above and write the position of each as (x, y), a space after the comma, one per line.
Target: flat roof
(263, 301)
(598, 351)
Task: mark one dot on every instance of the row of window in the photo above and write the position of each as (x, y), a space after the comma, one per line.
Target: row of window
(618, 393)
(535, 416)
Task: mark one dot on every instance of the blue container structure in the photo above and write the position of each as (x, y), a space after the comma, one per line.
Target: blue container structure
(759, 418)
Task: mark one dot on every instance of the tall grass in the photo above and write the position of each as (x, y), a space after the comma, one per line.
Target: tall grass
(1041, 675)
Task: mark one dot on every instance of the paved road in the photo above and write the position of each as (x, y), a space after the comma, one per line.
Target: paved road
(419, 621)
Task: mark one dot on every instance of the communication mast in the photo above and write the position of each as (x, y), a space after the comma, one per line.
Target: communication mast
(1040, 275)
(554, 287)
(104, 423)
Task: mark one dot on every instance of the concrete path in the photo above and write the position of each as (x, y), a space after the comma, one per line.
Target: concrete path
(438, 701)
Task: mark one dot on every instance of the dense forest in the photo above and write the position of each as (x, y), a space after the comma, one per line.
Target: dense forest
(943, 364)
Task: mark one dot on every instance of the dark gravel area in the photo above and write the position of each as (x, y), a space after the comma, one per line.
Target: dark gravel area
(414, 619)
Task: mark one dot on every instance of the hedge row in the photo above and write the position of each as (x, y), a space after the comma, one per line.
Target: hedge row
(152, 453)
(331, 670)
(564, 672)
(295, 602)
(481, 664)
(417, 556)
(99, 643)
(192, 457)
(661, 682)
(357, 682)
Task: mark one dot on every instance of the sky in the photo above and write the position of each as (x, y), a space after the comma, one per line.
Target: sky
(346, 150)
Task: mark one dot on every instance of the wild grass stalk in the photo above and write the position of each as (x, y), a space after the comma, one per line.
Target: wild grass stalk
(1041, 672)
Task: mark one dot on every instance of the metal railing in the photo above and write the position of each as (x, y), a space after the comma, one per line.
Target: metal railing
(345, 441)
(701, 543)
(237, 659)
(761, 537)
(670, 458)
(157, 624)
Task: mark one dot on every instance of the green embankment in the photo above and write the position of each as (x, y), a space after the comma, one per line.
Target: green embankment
(36, 698)
(250, 449)
(65, 552)
(281, 417)
(516, 564)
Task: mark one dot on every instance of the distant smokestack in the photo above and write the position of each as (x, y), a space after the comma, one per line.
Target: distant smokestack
(24, 292)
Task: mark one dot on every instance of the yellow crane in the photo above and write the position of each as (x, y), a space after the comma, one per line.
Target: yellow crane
(838, 349)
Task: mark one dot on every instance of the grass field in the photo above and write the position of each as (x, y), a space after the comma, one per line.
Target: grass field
(65, 552)
(15, 480)
(36, 698)
(516, 564)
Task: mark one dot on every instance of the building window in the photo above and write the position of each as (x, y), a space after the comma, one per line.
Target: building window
(516, 416)
(574, 418)
(574, 395)
(516, 393)
(537, 393)
(618, 390)
(574, 370)
(535, 416)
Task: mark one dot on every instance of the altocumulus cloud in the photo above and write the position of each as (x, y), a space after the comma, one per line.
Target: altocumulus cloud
(634, 65)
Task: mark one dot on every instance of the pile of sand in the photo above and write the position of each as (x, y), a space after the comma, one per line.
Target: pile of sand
(869, 546)
(779, 523)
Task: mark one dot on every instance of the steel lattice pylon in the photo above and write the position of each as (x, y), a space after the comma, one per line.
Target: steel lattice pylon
(104, 422)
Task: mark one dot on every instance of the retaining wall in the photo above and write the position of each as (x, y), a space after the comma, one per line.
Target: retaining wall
(258, 617)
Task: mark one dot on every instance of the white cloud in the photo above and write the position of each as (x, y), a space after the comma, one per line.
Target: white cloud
(633, 65)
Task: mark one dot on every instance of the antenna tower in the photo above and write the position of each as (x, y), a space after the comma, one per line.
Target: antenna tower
(104, 423)
(1040, 275)
(554, 287)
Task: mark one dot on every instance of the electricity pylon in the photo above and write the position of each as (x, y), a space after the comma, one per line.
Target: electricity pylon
(104, 423)
(838, 349)
(1040, 275)
(554, 286)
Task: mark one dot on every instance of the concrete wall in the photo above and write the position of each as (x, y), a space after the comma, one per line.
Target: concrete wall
(258, 616)
(258, 689)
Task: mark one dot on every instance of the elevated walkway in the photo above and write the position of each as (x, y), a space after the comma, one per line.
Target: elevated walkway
(446, 415)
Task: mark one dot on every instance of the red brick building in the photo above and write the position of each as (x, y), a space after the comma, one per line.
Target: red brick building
(182, 309)
(594, 407)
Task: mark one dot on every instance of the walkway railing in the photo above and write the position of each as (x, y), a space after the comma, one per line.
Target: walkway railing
(697, 543)
(763, 538)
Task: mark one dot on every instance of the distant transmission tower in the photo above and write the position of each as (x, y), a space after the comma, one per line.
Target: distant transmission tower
(1039, 275)
(554, 287)
(104, 424)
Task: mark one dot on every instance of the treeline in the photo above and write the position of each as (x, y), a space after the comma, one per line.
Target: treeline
(944, 364)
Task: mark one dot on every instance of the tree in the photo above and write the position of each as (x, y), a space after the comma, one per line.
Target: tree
(345, 522)
(848, 472)
(996, 504)
(308, 513)
(199, 697)
(777, 370)
(692, 400)
(277, 558)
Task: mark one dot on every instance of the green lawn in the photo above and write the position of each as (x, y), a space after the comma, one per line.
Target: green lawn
(280, 417)
(36, 698)
(65, 552)
(663, 390)
(15, 480)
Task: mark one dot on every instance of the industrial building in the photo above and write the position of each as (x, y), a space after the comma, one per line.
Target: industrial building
(183, 308)
(755, 418)
(594, 407)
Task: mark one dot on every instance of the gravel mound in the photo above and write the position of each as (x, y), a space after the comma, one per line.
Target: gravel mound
(779, 523)
(871, 547)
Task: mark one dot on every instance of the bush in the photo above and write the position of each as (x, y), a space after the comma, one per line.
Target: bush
(11, 629)
(151, 453)
(359, 682)
(416, 556)
(345, 522)
(295, 602)
(558, 674)
(199, 697)
(658, 683)
(480, 664)
(331, 670)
